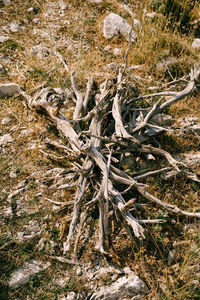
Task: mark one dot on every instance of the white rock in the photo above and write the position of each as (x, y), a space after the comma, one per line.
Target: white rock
(40, 51)
(25, 132)
(190, 159)
(71, 296)
(194, 269)
(78, 271)
(6, 2)
(188, 121)
(162, 119)
(34, 223)
(30, 118)
(22, 275)
(32, 146)
(107, 48)
(95, 1)
(151, 15)
(36, 20)
(150, 157)
(5, 120)
(36, 49)
(8, 211)
(191, 120)
(41, 245)
(5, 60)
(63, 6)
(30, 229)
(1, 67)
(3, 38)
(12, 174)
(5, 29)
(136, 23)
(8, 89)
(126, 286)
(196, 44)
(31, 9)
(62, 280)
(117, 51)
(5, 139)
(114, 25)
(14, 27)
(55, 207)
(196, 128)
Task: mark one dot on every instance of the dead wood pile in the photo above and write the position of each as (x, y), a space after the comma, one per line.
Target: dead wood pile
(108, 125)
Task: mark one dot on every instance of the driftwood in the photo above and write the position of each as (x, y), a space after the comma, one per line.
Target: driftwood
(105, 127)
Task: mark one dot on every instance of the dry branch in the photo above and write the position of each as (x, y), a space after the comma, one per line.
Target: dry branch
(104, 130)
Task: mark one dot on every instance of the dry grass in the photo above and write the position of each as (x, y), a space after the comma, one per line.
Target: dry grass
(81, 42)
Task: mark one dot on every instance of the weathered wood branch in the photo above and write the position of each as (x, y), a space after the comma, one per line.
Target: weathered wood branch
(106, 129)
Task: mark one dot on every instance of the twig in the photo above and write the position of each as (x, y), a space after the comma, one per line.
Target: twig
(61, 60)
(59, 203)
(65, 260)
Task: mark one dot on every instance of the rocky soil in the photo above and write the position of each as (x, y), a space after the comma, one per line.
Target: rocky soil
(41, 42)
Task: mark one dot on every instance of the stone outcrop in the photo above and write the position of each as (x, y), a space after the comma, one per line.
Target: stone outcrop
(115, 25)
(8, 89)
(22, 275)
(125, 287)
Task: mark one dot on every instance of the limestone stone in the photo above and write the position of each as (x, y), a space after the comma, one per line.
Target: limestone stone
(6, 2)
(40, 51)
(71, 296)
(31, 9)
(15, 27)
(8, 89)
(115, 25)
(107, 48)
(151, 15)
(78, 271)
(3, 38)
(95, 1)
(5, 139)
(22, 275)
(162, 119)
(136, 24)
(126, 286)
(196, 44)
(36, 20)
(5, 120)
(196, 128)
(190, 158)
(117, 51)
(12, 174)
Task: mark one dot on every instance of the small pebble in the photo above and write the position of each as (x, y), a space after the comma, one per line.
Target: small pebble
(36, 20)
(12, 174)
(31, 9)
(107, 48)
(5, 120)
(78, 271)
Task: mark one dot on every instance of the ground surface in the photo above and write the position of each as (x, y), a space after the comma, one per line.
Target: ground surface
(76, 32)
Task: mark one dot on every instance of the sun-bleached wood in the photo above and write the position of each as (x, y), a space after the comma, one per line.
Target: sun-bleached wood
(103, 130)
